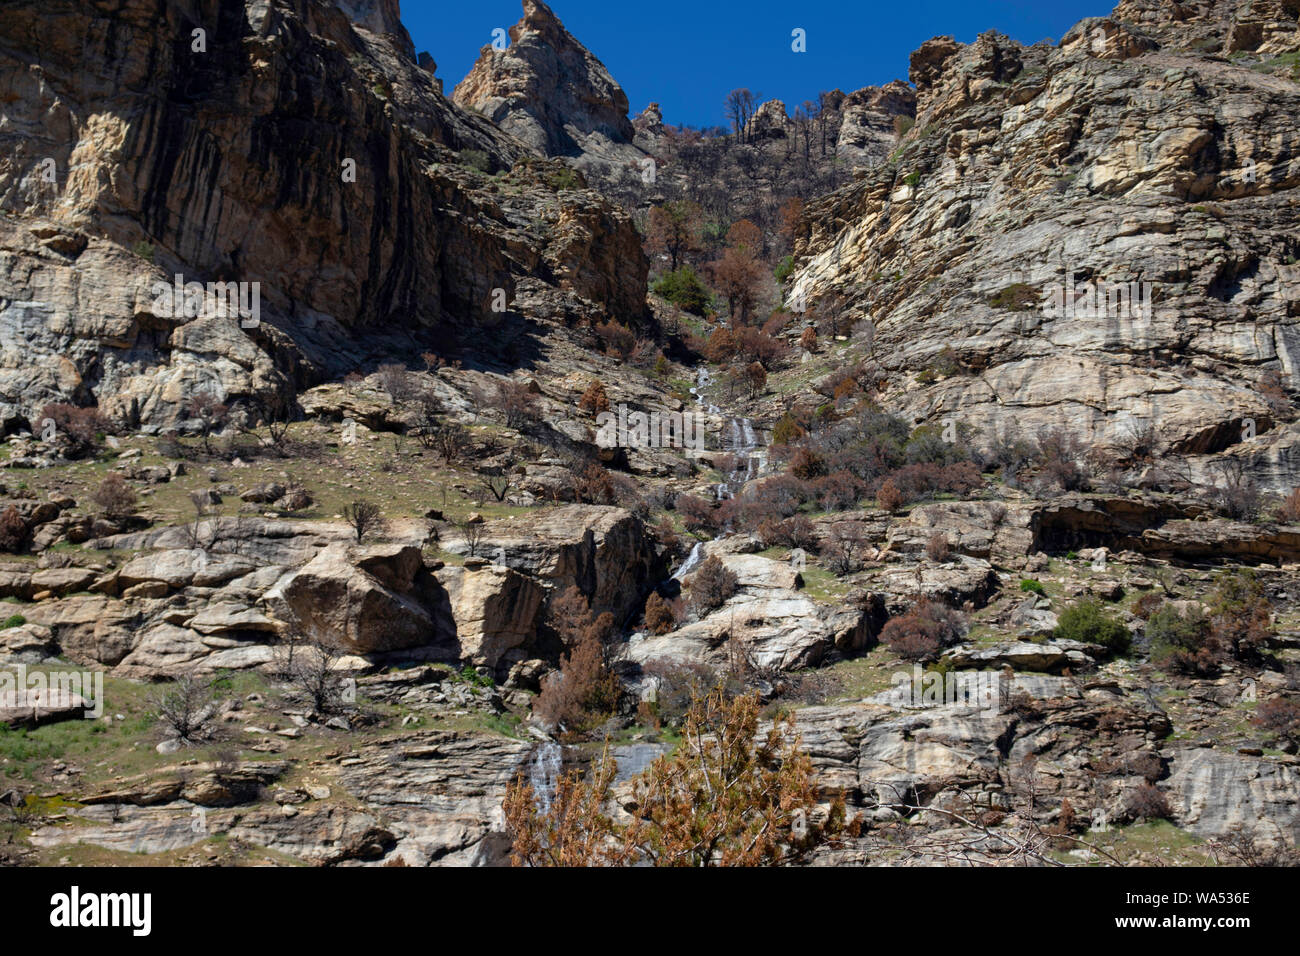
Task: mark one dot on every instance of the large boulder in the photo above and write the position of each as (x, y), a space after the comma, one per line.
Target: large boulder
(954, 583)
(369, 600)
(492, 610)
(1213, 793)
(980, 529)
(767, 620)
(32, 707)
(604, 551)
(1048, 657)
(90, 628)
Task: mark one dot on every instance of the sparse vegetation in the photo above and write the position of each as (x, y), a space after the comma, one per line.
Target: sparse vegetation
(1086, 621)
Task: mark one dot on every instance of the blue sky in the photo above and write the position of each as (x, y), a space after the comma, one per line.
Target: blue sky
(687, 54)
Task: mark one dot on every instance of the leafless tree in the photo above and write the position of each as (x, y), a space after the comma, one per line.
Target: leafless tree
(364, 516)
(396, 381)
(844, 545)
(200, 535)
(741, 105)
(186, 708)
(316, 673)
(498, 485)
(472, 532)
(450, 440)
(211, 415)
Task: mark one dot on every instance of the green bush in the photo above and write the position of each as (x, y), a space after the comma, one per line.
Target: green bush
(783, 269)
(1086, 621)
(564, 178)
(143, 249)
(1174, 634)
(1030, 586)
(475, 159)
(912, 179)
(1018, 297)
(684, 289)
(468, 675)
(13, 620)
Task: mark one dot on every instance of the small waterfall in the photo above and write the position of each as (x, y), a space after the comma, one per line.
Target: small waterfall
(691, 561)
(742, 442)
(544, 773)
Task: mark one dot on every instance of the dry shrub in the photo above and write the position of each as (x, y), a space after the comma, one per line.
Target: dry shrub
(13, 531)
(712, 584)
(78, 428)
(660, 614)
(584, 692)
(838, 492)
(807, 464)
(617, 338)
(1147, 604)
(593, 484)
(738, 795)
(516, 401)
(793, 532)
(697, 514)
(1147, 802)
(925, 630)
(844, 546)
(889, 498)
(114, 497)
(938, 548)
(1278, 716)
(594, 399)
(1289, 511)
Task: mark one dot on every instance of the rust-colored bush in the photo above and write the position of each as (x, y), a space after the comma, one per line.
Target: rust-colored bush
(13, 531)
(1289, 510)
(889, 498)
(114, 497)
(712, 584)
(594, 399)
(1147, 802)
(660, 616)
(926, 629)
(938, 548)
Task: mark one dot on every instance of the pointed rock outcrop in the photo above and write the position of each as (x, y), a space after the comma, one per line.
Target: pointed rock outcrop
(549, 91)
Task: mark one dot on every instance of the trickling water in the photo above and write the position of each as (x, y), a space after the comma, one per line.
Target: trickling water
(691, 561)
(544, 773)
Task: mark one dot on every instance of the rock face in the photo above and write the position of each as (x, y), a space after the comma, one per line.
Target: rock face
(295, 145)
(373, 601)
(604, 551)
(172, 607)
(493, 610)
(868, 131)
(767, 623)
(770, 121)
(1123, 155)
(1214, 792)
(550, 92)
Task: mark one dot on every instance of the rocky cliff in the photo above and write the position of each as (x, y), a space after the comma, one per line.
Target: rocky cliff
(550, 92)
(373, 617)
(293, 144)
(1146, 154)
